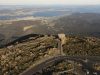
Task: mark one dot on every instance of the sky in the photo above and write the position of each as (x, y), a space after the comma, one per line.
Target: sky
(49, 2)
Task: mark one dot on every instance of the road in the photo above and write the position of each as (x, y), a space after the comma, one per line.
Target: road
(60, 48)
(51, 61)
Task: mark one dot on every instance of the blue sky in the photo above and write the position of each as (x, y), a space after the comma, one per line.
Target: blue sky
(50, 2)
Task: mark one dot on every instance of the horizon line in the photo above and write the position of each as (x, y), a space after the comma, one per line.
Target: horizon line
(53, 4)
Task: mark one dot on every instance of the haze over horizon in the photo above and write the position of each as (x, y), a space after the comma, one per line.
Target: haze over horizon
(49, 2)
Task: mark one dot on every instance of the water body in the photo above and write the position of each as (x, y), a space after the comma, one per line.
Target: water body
(50, 13)
(11, 17)
(38, 14)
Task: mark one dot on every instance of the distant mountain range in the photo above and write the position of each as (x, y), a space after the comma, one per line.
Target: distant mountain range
(79, 23)
(74, 8)
(20, 11)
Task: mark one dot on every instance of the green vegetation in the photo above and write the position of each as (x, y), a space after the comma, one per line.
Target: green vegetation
(16, 58)
(97, 66)
(60, 68)
(81, 46)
